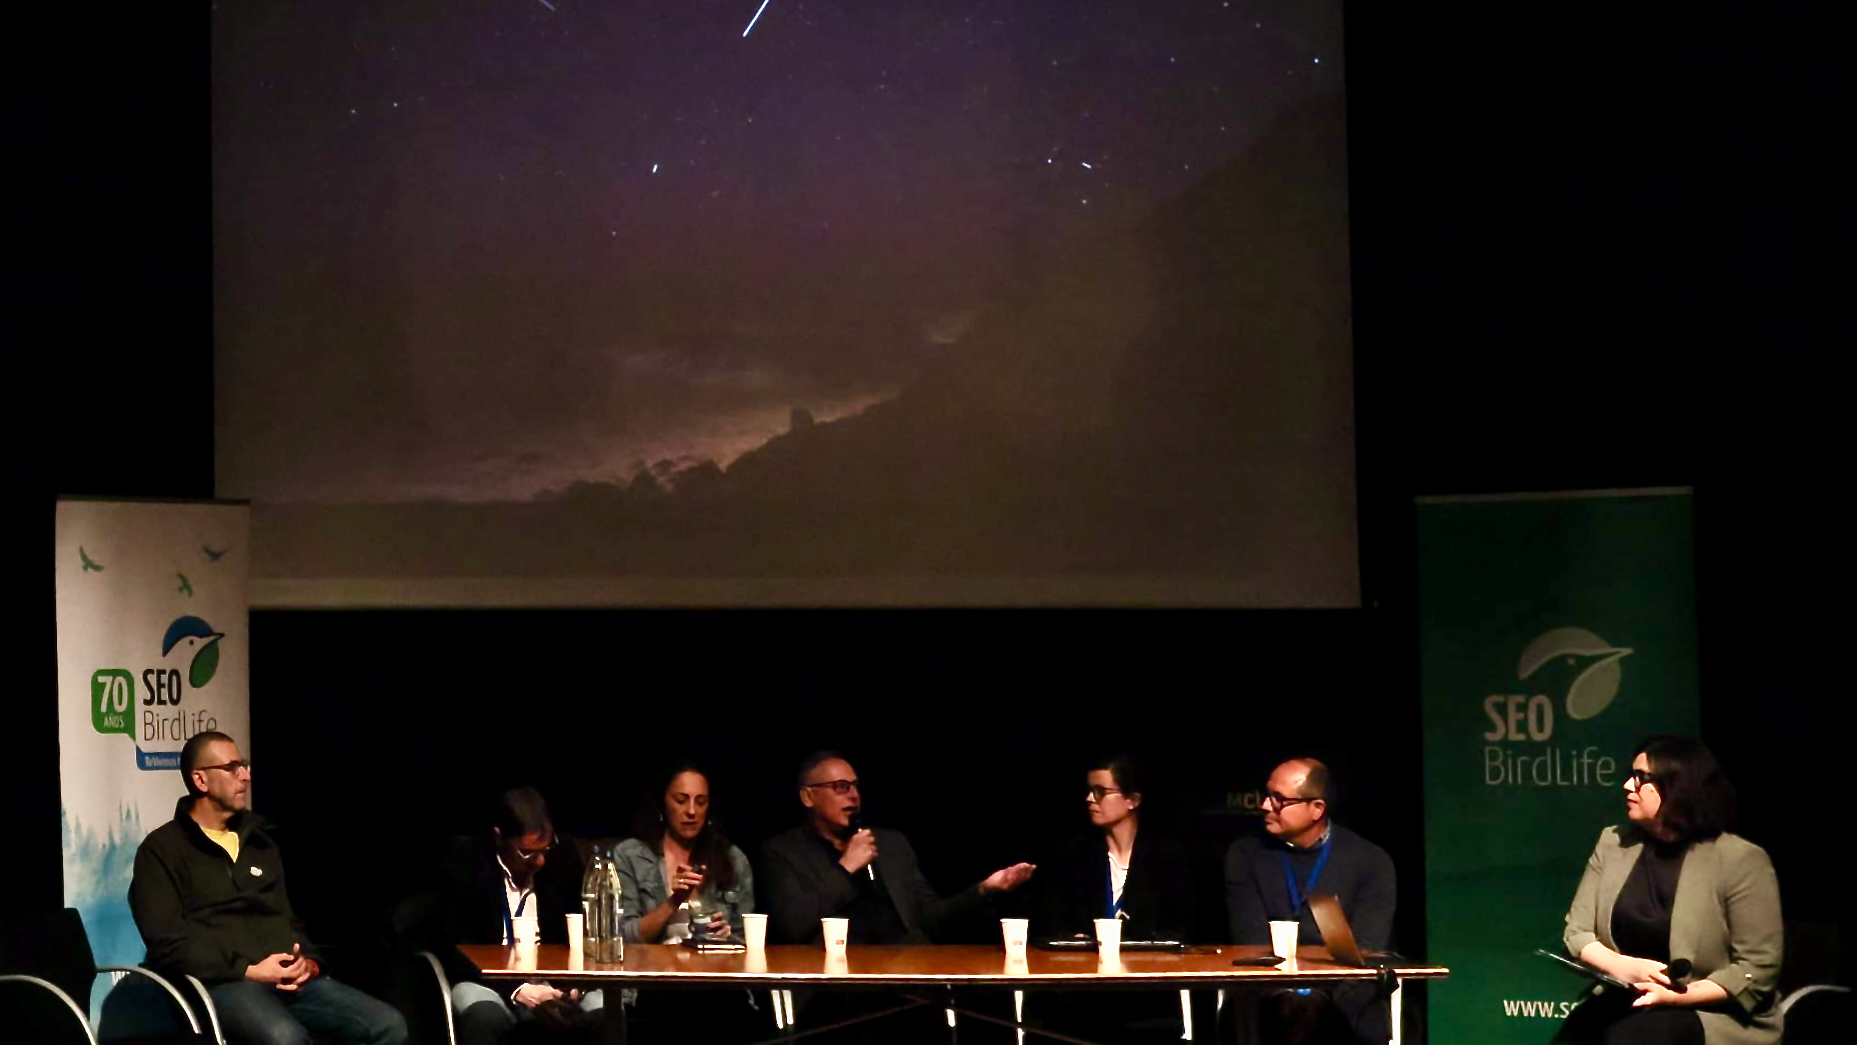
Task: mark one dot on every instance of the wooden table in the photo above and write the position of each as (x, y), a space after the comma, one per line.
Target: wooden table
(943, 968)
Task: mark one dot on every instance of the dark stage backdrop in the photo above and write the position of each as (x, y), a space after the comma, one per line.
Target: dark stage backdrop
(384, 732)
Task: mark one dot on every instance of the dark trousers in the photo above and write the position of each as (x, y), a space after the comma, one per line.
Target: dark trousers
(321, 1011)
(1609, 1019)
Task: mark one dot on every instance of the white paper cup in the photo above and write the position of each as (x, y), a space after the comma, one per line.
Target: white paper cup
(837, 931)
(837, 964)
(1017, 965)
(528, 929)
(1014, 932)
(1283, 939)
(1109, 936)
(576, 934)
(754, 930)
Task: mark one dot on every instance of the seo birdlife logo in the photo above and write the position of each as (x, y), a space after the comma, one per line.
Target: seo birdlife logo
(1584, 670)
(189, 660)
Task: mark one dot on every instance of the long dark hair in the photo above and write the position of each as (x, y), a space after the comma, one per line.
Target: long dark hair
(1698, 801)
(711, 847)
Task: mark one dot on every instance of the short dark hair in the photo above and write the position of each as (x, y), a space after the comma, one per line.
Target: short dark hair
(1127, 772)
(190, 756)
(814, 761)
(1698, 801)
(521, 811)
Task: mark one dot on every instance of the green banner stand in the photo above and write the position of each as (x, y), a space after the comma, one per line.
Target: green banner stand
(1557, 630)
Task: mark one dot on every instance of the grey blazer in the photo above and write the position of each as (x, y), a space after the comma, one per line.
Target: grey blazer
(1725, 920)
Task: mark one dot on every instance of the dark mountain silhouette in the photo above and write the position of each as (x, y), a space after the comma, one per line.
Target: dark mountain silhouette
(1174, 398)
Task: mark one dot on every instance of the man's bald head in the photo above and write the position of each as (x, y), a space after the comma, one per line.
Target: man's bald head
(1296, 801)
(1314, 774)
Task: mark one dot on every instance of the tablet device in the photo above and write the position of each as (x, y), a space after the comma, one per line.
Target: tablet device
(1583, 969)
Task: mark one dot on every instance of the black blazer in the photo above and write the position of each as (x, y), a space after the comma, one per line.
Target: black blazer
(1073, 890)
(471, 903)
(805, 884)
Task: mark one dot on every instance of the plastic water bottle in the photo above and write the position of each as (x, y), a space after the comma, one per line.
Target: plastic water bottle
(612, 916)
(589, 900)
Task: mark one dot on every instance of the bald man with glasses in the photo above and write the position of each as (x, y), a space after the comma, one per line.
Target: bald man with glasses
(1270, 877)
(831, 866)
(209, 900)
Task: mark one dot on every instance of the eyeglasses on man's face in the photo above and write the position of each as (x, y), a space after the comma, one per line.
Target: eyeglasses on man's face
(1282, 802)
(231, 768)
(530, 854)
(837, 787)
(1098, 792)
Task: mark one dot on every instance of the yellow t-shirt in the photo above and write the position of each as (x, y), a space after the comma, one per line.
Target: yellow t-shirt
(227, 840)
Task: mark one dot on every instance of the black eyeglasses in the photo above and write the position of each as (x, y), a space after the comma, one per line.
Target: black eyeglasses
(232, 767)
(530, 854)
(1641, 777)
(1099, 792)
(837, 787)
(1282, 802)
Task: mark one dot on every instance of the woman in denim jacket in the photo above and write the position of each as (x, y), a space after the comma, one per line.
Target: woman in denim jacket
(679, 862)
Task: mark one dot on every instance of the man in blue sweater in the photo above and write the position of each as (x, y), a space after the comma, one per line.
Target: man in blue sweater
(1270, 877)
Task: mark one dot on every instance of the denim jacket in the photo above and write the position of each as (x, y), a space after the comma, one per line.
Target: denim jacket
(641, 885)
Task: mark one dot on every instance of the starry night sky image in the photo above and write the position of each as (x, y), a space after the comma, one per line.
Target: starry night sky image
(722, 288)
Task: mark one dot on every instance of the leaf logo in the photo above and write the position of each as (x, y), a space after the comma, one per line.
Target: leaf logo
(1590, 663)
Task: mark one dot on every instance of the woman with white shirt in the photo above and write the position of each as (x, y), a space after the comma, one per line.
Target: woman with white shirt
(1117, 870)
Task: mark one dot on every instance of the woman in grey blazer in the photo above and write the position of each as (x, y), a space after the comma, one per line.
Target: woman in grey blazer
(1686, 913)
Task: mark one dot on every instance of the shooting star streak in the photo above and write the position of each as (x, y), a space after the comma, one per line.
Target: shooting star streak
(756, 18)
(548, 5)
(1087, 167)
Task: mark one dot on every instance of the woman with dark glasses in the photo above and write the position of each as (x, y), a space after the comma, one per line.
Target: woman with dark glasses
(1685, 913)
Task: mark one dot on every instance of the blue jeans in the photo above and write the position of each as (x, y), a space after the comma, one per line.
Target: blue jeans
(483, 1015)
(257, 1014)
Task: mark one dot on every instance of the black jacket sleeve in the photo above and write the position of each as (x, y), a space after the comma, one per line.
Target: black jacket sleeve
(1065, 894)
(1164, 881)
(1375, 898)
(1244, 903)
(802, 887)
(939, 917)
(156, 903)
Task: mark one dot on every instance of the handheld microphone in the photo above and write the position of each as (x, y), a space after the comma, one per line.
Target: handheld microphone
(856, 822)
(1677, 969)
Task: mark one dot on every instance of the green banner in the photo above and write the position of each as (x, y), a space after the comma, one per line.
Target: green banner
(1557, 630)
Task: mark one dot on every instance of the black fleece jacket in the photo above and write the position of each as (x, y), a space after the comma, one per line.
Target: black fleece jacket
(204, 914)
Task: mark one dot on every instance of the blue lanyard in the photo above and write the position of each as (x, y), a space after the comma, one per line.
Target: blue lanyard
(1113, 904)
(1299, 896)
(509, 922)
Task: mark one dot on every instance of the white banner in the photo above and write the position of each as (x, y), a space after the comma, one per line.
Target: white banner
(152, 648)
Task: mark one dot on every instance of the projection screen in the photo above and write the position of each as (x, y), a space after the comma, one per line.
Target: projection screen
(578, 303)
